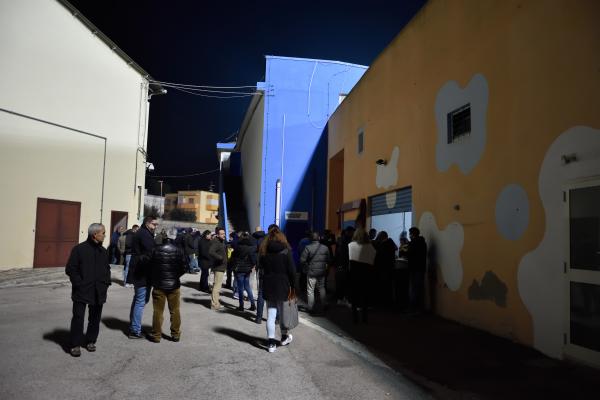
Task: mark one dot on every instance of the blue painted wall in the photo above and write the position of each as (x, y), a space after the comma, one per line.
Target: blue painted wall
(300, 96)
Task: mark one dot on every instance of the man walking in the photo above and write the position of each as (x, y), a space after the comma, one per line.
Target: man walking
(89, 272)
(314, 260)
(167, 264)
(143, 244)
(218, 254)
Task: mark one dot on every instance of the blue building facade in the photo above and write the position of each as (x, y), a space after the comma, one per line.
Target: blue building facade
(283, 141)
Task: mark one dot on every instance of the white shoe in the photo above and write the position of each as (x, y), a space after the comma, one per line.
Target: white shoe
(288, 339)
(272, 347)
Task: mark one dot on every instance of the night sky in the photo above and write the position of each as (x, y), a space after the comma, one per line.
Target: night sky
(224, 44)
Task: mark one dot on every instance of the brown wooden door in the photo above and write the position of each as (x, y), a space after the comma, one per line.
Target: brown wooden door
(56, 232)
(117, 219)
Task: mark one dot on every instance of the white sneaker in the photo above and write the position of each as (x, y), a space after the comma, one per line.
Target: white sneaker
(288, 339)
(272, 347)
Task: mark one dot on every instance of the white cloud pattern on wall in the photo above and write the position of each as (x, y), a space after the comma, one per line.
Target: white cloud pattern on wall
(444, 247)
(541, 279)
(387, 175)
(467, 152)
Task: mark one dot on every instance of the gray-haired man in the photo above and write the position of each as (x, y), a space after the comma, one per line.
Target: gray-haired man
(89, 272)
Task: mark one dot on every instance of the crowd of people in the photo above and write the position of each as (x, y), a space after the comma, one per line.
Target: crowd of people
(361, 263)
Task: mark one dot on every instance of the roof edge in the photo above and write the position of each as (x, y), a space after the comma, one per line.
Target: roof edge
(319, 60)
(154, 87)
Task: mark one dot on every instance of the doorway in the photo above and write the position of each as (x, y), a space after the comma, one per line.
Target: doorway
(118, 219)
(56, 232)
(583, 273)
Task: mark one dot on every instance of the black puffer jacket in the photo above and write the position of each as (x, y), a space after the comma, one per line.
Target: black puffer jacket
(89, 272)
(279, 272)
(314, 259)
(167, 264)
(244, 256)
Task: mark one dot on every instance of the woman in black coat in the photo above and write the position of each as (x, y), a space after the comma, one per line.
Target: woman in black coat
(279, 277)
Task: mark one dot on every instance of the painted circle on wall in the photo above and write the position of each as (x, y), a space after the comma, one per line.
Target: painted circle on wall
(512, 212)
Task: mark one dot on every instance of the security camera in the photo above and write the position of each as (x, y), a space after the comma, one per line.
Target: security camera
(381, 161)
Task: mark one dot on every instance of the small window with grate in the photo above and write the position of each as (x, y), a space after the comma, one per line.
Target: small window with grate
(459, 123)
(361, 141)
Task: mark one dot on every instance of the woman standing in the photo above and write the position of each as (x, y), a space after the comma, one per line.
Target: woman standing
(362, 256)
(279, 279)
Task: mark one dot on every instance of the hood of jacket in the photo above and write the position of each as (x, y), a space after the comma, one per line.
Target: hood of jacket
(275, 247)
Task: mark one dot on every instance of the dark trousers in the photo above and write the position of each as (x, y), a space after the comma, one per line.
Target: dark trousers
(204, 272)
(359, 291)
(94, 314)
(229, 275)
(416, 279)
(341, 284)
(260, 301)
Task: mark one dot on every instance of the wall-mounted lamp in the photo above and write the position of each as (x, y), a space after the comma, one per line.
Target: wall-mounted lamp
(568, 158)
(149, 167)
(381, 161)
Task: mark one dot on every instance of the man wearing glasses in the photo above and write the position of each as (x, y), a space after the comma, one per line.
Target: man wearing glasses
(143, 243)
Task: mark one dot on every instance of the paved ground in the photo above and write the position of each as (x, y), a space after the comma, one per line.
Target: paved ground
(221, 355)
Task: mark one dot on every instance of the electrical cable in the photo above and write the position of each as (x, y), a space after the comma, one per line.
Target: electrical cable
(206, 90)
(217, 97)
(202, 86)
(184, 176)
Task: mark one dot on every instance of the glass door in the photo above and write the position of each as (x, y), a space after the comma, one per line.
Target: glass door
(583, 273)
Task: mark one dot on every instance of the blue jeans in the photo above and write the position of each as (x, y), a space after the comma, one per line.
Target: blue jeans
(274, 309)
(243, 283)
(260, 301)
(193, 263)
(126, 268)
(141, 296)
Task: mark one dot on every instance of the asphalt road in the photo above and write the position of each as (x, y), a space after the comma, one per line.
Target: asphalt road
(221, 355)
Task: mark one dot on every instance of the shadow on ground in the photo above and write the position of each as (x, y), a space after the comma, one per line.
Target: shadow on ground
(258, 342)
(121, 325)
(202, 302)
(61, 337)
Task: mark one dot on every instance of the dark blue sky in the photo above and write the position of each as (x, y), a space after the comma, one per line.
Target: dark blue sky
(224, 44)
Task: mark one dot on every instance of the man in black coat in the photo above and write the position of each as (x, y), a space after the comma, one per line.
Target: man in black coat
(417, 257)
(204, 260)
(143, 243)
(167, 264)
(89, 271)
(218, 254)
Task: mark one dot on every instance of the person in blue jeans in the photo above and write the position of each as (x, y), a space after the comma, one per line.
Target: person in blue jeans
(142, 246)
(244, 260)
(128, 249)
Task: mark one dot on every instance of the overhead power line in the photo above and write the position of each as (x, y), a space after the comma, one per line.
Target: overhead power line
(185, 176)
(202, 86)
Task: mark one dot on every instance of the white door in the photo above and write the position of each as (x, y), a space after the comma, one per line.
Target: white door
(583, 273)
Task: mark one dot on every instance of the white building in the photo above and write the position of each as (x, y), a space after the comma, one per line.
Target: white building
(157, 202)
(73, 132)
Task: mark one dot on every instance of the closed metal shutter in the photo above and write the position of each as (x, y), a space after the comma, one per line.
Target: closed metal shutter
(400, 200)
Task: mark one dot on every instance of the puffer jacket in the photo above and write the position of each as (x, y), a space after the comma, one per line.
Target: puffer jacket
(314, 259)
(244, 256)
(279, 272)
(167, 264)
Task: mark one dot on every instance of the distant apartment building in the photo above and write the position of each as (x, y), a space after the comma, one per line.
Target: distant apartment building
(73, 132)
(204, 204)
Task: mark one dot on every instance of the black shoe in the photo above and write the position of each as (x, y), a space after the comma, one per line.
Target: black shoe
(175, 339)
(240, 308)
(252, 307)
(91, 347)
(258, 321)
(75, 351)
(133, 335)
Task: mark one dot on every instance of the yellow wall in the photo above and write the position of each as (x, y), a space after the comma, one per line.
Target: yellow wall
(541, 60)
(203, 204)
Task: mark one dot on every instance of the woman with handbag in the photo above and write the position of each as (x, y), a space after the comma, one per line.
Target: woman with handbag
(279, 277)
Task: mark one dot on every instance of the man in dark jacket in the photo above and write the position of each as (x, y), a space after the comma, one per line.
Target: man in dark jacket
(191, 250)
(314, 260)
(244, 260)
(143, 243)
(167, 264)
(128, 251)
(204, 260)
(342, 258)
(89, 271)
(218, 255)
(417, 257)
